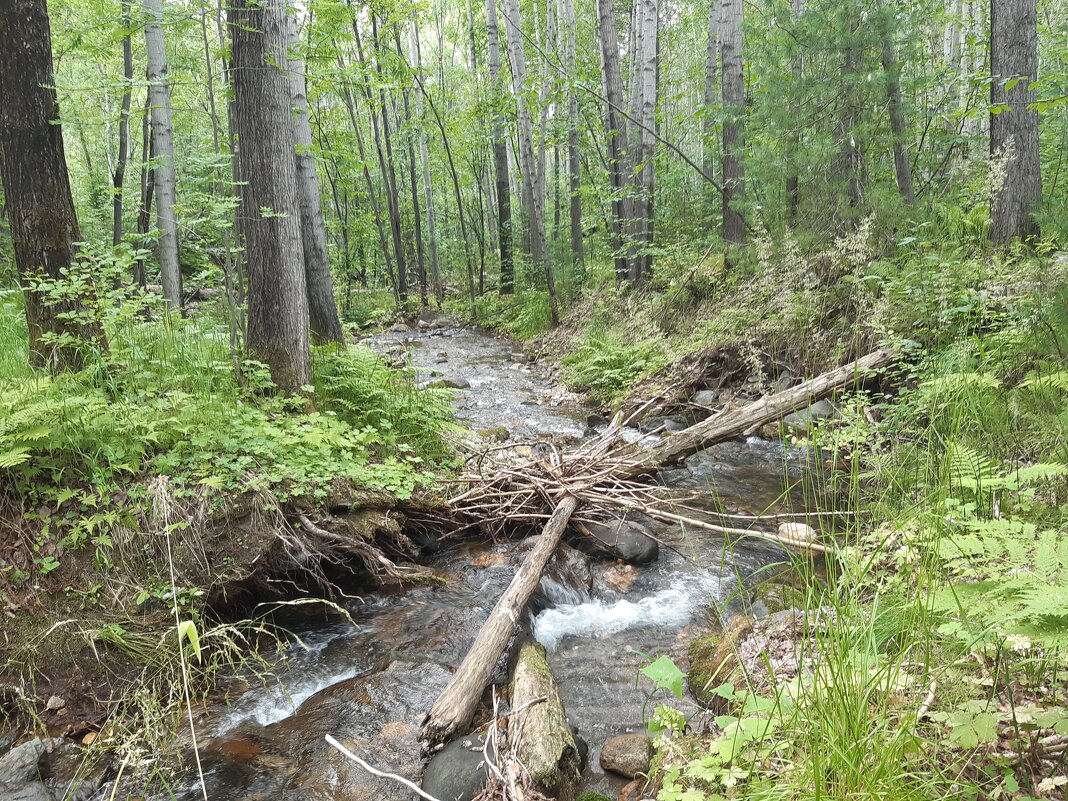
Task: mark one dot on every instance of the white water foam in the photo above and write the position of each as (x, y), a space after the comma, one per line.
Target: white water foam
(671, 608)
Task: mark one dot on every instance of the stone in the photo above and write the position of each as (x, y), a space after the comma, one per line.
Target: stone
(621, 539)
(785, 380)
(635, 791)
(450, 383)
(803, 420)
(592, 796)
(670, 425)
(595, 419)
(620, 577)
(55, 703)
(714, 661)
(30, 791)
(458, 771)
(706, 397)
(399, 328)
(442, 357)
(628, 755)
(20, 764)
(801, 532)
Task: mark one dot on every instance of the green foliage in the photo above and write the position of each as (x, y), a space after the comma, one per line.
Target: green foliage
(608, 365)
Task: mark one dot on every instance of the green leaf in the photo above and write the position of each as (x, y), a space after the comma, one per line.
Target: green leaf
(665, 674)
(187, 630)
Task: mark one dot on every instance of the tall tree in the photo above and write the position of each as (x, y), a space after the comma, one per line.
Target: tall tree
(642, 267)
(164, 177)
(322, 305)
(615, 132)
(500, 152)
(270, 206)
(733, 85)
(33, 169)
(424, 159)
(417, 216)
(570, 64)
(895, 106)
(708, 120)
(118, 176)
(797, 64)
(513, 26)
(1013, 122)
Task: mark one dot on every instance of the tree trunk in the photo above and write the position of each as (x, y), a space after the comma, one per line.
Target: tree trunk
(1013, 124)
(616, 135)
(270, 197)
(708, 122)
(119, 175)
(417, 217)
(573, 165)
(33, 169)
(513, 26)
(322, 305)
(144, 208)
(898, 134)
(642, 269)
(500, 153)
(453, 709)
(793, 187)
(424, 158)
(848, 160)
(163, 170)
(733, 85)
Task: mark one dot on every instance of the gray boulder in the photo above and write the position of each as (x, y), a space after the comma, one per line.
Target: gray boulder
(621, 539)
(458, 771)
(706, 397)
(628, 755)
(20, 764)
(802, 420)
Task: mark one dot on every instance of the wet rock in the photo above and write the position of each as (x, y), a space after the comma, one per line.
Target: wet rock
(620, 577)
(498, 434)
(635, 791)
(595, 419)
(628, 755)
(785, 380)
(491, 559)
(714, 661)
(803, 420)
(450, 383)
(399, 328)
(623, 539)
(671, 425)
(30, 791)
(441, 357)
(458, 771)
(706, 397)
(20, 764)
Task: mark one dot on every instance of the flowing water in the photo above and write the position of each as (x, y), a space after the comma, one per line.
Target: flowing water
(371, 684)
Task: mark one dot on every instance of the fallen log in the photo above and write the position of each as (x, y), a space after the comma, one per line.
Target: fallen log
(541, 735)
(453, 709)
(731, 423)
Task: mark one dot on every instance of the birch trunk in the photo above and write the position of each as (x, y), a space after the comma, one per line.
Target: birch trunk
(322, 306)
(614, 130)
(708, 122)
(121, 158)
(733, 85)
(417, 217)
(500, 153)
(642, 269)
(163, 154)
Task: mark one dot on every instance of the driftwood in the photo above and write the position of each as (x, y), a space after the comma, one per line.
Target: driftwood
(453, 709)
(540, 734)
(768, 409)
(604, 474)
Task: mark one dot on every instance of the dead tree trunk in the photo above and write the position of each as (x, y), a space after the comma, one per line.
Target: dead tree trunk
(453, 709)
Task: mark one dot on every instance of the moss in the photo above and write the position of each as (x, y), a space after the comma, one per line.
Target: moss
(588, 796)
(713, 660)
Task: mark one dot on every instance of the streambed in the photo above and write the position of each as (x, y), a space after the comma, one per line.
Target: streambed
(370, 685)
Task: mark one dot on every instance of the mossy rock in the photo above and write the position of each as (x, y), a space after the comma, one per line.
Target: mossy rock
(714, 661)
(590, 796)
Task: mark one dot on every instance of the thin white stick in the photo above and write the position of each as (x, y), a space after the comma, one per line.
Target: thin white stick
(380, 774)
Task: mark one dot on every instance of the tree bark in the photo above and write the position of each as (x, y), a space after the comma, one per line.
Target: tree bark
(898, 134)
(500, 154)
(121, 158)
(322, 305)
(513, 26)
(417, 217)
(573, 166)
(164, 180)
(797, 66)
(708, 122)
(33, 169)
(642, 269)
(424, 159)
(453, 709)
(1014, 126)
(616, 135)
(733, 86)
(278, 332)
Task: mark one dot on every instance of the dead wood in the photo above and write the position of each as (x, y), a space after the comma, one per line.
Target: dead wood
(453, 709)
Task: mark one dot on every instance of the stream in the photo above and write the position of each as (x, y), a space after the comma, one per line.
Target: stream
(371, 685)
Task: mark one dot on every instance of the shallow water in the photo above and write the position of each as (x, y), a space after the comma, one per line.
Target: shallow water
(374, 682)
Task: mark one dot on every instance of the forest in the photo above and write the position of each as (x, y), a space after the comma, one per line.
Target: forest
(533, 399)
